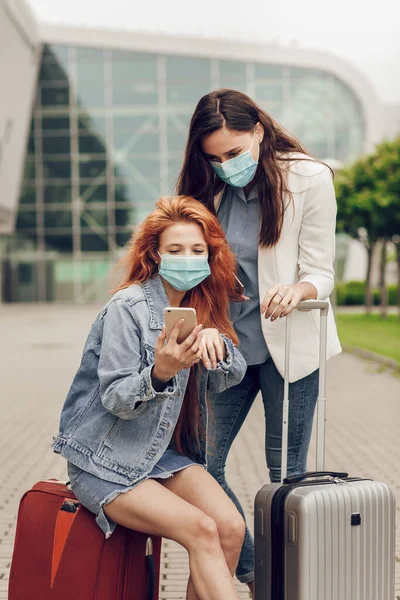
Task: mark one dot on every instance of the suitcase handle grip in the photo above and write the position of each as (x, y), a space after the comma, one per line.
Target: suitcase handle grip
(313, 305)
(311, 474)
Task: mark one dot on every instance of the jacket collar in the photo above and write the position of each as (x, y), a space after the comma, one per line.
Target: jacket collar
(157, 300)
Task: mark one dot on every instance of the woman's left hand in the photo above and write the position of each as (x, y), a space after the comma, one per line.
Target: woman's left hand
(212, 348)
(281, 300)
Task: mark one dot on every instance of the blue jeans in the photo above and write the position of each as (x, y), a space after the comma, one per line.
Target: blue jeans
(228, 412)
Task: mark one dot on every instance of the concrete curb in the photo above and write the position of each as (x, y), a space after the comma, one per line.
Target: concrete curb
(383, 360)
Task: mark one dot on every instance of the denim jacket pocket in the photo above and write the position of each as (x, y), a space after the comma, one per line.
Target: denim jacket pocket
(83, 412)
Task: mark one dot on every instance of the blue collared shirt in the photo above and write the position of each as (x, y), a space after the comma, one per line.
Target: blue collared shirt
(240, 218)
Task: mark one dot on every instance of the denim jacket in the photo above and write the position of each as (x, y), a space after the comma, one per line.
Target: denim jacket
(113, 423)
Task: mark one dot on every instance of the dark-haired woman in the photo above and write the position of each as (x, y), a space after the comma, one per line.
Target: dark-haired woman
(278, 210)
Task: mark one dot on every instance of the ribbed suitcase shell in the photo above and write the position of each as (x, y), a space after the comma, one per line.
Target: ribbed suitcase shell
(326, 539)
(325, 556)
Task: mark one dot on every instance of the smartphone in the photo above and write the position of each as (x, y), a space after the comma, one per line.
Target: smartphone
(239, 285)
(172, 314)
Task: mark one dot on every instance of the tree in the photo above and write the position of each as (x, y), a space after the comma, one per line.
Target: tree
(368, 195)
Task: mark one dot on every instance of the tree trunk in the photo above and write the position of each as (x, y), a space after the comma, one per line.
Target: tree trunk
(368, 291)
(382, 279)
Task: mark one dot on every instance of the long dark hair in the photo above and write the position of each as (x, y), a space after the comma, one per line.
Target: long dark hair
(238, 112)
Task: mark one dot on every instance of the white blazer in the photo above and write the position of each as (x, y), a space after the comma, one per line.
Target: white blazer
(304, 252)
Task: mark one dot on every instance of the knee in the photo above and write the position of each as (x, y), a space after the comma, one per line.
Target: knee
(204, 533)
(232, 530)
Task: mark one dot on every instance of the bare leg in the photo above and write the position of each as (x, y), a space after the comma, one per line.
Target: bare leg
(153, 509)
(200, 489)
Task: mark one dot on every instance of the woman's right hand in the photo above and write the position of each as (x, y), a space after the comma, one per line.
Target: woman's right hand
(171, 357)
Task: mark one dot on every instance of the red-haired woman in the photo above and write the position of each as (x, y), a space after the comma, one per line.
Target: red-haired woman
(135, 418)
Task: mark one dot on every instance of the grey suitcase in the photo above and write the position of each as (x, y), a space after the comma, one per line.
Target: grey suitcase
(323, 535)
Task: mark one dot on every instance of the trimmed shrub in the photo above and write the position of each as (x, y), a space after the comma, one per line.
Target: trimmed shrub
(352, 293)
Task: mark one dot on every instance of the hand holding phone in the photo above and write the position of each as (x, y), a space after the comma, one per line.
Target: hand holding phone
(172, 356)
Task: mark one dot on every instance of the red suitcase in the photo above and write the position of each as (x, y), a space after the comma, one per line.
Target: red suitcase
(60, 553)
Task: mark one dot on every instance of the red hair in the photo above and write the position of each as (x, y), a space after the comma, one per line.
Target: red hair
(210, 298)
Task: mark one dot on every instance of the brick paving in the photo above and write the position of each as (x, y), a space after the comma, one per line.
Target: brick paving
(40, 350)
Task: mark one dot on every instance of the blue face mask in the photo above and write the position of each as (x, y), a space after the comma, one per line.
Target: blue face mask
(237, 171)
(184, 272)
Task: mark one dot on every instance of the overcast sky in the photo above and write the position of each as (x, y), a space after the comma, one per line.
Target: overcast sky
(365, 32)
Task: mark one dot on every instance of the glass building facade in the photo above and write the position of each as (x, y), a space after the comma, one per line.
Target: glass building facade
(107, 137)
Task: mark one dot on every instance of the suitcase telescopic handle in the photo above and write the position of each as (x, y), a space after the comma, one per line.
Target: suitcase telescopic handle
(323, 307)
(315, 474)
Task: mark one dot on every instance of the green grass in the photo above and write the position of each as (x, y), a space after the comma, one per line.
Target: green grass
(371, 332)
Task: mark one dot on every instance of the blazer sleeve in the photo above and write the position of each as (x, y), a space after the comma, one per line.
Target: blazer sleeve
(317, 235)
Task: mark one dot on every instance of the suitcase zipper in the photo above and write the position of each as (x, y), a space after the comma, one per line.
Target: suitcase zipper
(278, 529)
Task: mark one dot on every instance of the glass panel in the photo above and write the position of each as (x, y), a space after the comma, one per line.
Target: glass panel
(262, 71)
(93, 192)
(134, 66)
(56, 169)
(60, 243)
(29, 172)
(54, 66)
(55, 53)
(58, 218)
(57, 194)
(31, 144)
(91, 145)
(55, 96)
(91, 95)
(232, 75)
(136, 134)
(28, 195)
(94, 243)
(92, 124)
(123, 238)
(269, 92)
(174, 168)
(187, 79)
(90, 70)
(26, 219)
(134, 78)
(55, 125)
(63, 280)
(144, 177)
(92, 168)
(127, 94)
(94, 219)
(87, 53)
(26, 282)
(177, 132)
(56, 145)
(125, 217)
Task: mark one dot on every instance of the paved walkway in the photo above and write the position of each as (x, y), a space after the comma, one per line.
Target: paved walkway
(40, 351)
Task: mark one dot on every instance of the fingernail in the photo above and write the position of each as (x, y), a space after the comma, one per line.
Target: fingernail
(272, 318)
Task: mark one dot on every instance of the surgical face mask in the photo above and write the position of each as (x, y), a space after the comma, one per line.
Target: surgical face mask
(238, 171)
(184, 272)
